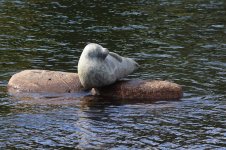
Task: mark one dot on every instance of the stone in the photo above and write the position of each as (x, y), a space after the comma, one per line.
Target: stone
(142, 89)
(44, 81)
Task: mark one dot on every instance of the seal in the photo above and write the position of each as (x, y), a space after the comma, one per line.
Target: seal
(97, 67)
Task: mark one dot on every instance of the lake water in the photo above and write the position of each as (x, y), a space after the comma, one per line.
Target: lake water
(177, 40)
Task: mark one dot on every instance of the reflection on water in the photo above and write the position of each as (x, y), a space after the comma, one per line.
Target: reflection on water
(181, 41)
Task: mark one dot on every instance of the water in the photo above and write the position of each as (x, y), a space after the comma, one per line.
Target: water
(177, 40)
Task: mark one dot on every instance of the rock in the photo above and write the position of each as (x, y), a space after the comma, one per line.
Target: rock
(44, 81)
(142, 89)
(37, 81)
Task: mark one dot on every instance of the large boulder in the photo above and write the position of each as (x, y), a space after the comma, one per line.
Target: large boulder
(142, 89)
(37, 81)
(44, 81)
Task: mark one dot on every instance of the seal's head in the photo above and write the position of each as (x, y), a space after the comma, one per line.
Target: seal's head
(93, 50)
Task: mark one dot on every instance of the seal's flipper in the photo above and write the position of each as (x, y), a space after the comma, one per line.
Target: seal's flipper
(116, 56)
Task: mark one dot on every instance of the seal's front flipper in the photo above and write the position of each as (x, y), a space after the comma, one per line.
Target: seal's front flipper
(116, 56)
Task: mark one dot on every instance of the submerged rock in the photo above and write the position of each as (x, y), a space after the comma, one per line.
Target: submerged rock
(44, 81)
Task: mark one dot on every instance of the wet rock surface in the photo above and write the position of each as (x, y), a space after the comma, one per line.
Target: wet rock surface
(143, 89)
(44, 81)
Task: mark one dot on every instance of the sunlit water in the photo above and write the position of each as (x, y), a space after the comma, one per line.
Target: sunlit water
(177, 40)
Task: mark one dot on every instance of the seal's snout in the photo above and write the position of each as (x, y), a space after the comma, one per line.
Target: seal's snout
(105, 52)
(137, 65)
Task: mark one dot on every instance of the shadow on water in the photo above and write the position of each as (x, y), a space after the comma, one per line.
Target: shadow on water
(82, 100)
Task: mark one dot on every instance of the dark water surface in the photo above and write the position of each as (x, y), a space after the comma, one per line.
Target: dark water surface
(177, 40)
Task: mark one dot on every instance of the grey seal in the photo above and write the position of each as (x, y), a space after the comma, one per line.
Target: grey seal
(97, 67)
